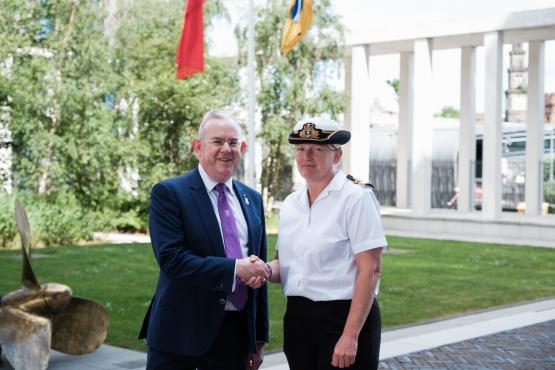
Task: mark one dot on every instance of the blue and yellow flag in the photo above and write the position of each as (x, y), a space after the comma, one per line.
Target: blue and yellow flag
(298, 21)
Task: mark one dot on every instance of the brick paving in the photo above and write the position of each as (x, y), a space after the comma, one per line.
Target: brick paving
(527, 348)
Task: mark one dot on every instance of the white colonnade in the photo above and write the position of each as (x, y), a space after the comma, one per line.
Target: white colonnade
(414, 159)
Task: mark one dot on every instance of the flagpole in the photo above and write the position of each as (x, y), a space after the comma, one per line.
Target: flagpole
(251, 168)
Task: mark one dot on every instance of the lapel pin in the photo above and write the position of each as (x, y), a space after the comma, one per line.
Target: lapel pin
(246, 199)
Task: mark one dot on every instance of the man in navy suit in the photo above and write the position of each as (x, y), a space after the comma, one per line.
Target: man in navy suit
(210, 308)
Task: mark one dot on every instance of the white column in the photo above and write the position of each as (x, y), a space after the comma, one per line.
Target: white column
(534, 128)
(491, 153)
(421, 179)
(357, 161)
(467, 129)
(404, 134)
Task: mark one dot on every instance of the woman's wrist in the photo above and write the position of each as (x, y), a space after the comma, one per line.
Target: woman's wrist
(273, 266)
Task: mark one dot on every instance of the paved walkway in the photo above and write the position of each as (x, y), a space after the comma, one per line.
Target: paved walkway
(410, 344)
(531, 347)
(515, 337)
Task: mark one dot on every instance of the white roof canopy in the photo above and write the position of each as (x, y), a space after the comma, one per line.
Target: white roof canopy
(458, 32)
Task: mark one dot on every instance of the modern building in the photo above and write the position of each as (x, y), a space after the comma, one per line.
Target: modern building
(415, 45)
(550, 107)
(515, 107)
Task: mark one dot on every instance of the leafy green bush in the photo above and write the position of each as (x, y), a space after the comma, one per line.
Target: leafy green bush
(8, 229)
(113, 220)
(53, 219)
(59, 220)
(549, 196)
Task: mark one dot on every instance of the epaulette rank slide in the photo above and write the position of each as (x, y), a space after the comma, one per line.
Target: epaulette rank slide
(360, 182)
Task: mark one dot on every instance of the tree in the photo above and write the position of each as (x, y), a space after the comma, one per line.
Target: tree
(394, 83)
(93, 101)
(168, 111)
(448, 112)
(55, 89)
(292, 86)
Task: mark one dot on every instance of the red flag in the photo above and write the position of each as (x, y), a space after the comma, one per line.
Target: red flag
(190, 52)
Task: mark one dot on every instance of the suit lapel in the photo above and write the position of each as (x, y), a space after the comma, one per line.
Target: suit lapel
(247, 208)
(206, 212)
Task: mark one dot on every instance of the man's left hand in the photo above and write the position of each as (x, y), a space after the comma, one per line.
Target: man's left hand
(256, 359)
(255, 282)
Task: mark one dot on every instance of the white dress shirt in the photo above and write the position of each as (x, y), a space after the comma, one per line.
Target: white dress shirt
(240, 220)
(317, 243)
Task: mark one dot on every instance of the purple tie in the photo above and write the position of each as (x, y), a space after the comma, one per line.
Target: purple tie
(232, 244)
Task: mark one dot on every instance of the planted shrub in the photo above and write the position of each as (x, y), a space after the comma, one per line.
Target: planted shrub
(58, 219)
(8, 229)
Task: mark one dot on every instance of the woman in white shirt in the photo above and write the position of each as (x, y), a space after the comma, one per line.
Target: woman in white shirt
(329, 258)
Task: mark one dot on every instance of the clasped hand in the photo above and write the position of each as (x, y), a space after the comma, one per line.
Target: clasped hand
(252, 271)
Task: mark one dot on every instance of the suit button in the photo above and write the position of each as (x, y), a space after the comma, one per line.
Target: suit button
(221, 301)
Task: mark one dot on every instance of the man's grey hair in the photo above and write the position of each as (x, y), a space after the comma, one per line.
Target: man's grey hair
(218, 115)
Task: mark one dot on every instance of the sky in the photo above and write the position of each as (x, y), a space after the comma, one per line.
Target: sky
(357, 14)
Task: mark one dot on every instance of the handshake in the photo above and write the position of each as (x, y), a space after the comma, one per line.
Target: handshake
(253, 272)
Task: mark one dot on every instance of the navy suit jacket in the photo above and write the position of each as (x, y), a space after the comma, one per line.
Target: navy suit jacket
(195, 275)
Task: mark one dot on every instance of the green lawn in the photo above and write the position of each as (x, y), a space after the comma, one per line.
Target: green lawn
(422, 279)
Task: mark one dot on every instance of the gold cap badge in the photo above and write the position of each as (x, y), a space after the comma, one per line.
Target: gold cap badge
(309, 131)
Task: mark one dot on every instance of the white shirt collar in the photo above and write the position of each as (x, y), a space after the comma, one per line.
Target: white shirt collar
(209, 183)
(336, 183)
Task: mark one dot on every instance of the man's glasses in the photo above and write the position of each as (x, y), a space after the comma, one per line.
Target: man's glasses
(233, 143)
